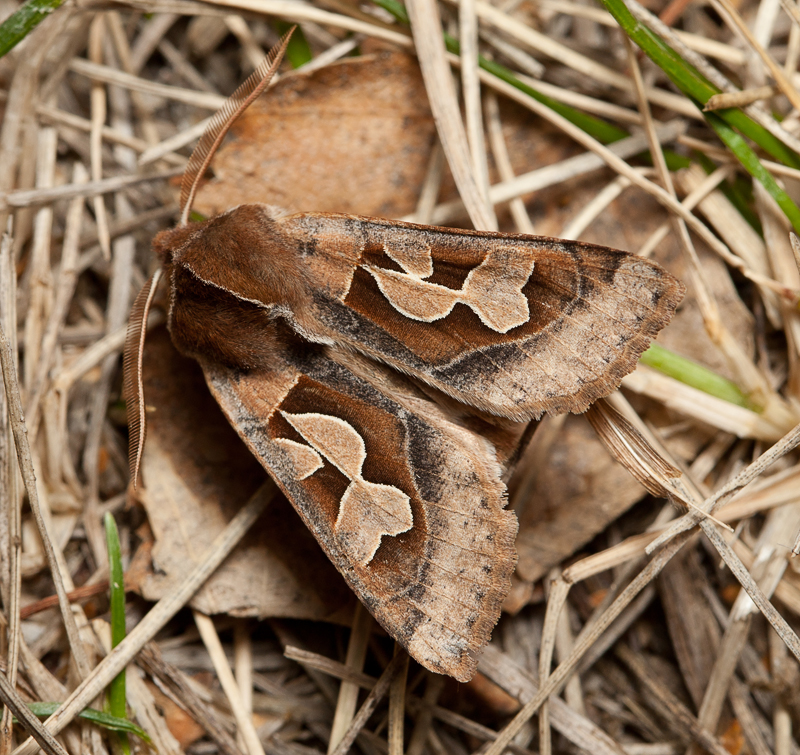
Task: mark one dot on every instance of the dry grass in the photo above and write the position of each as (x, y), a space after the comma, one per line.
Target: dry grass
(650, 631)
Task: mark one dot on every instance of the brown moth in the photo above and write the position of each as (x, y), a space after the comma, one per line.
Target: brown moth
(324, 337)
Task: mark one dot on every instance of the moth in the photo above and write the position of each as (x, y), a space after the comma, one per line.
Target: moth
(338, 346)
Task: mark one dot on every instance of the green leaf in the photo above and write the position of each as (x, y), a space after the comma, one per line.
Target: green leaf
(20, 23)
(397, 9)
(599, 129)
(749, 160)
(695, 375)
(106, 720)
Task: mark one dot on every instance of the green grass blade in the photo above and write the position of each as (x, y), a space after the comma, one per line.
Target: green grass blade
(106, 720)
(749, 160)
(20, 23)
(116, 690)
(695, 375)
(693, 84)
(396, 8)
(599, 129)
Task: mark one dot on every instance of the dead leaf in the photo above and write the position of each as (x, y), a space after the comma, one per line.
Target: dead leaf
(578, 491)
(351, 137)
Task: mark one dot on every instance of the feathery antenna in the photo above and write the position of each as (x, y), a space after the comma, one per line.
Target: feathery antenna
(235, 105)
(132, 387)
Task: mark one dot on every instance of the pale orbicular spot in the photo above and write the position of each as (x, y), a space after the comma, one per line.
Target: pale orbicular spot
(412, 253)
(368, 511)
(493, 290)
(305, 459)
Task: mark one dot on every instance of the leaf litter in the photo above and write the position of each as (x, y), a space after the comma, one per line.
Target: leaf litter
(611, 645)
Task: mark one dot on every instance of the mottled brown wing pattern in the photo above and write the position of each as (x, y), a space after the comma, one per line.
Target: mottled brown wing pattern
(514, 325)
(298, 321)
(407, 504)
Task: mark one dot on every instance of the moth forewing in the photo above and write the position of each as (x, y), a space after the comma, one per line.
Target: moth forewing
(513, 325)
(435, 582)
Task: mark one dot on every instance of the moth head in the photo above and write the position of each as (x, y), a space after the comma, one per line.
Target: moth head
(171, 245)
(167, 243)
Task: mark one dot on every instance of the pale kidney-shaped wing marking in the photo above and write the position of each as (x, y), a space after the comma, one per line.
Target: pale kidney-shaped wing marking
(305, 459)
(368, 510)
(438, 587)
(493, 290)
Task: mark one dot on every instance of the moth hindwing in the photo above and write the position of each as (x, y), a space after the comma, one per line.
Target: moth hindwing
(316, 334)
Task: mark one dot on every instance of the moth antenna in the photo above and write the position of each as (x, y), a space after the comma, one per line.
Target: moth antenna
(225, 117)
(132, 386)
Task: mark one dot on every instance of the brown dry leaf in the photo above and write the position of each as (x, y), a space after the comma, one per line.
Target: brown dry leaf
(351, 137)
(578, 492)
(196, 474)
(356, 137)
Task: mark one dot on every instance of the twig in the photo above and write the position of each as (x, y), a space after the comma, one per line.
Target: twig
(369, 705)
(426, 25)
(244, 721)
(37, 197)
